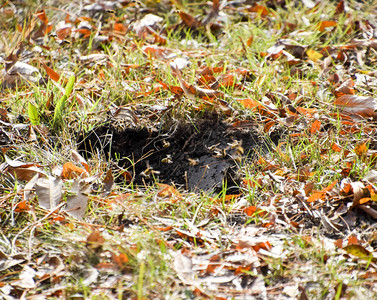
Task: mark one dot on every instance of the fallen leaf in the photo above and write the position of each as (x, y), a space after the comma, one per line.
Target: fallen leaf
(352, 104)
(316, 126)
(95, 240)
(49, 192)
(78, 200)
(360, 252)
(71, 171)
(325, 24)
(51, 73)
(361, 149)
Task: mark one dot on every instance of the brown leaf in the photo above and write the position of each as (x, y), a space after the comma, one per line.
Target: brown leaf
(188, 20)
(369, 210)
(352, 104)
(158, 52)
(51, 73)
(108, 182)
(339, 8)
(63, 33)
(78, 158)
(213, 13)
(95, 240)
(303, 174)
(308, 188)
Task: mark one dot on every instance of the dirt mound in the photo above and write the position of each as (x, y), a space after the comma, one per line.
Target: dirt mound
(200, 156)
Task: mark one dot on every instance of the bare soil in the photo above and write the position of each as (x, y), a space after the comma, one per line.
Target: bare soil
(202, 155)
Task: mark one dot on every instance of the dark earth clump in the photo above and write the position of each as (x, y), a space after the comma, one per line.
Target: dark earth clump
(201, 155)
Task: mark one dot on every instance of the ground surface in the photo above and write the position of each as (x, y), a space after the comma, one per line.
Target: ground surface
(188, 149)
(194, 157)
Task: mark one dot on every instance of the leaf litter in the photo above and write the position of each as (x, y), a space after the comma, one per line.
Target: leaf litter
(225, 149)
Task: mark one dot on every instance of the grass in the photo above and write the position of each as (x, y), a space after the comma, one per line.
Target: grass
(157, 241)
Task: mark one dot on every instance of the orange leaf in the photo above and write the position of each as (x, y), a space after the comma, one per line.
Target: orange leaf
(316, 196)
(262, 245)
(51, 73)
(250, 41)
(335, 148)
(361, 149)
(84, 31)
(306, 111)
(42, 16)
(259, 9)
(252, 211)
(163, 229)
(71, 171)
(168, 191)
(352, 240)
(330, 187)
(241, 270)
(120, 260)
(249, 103)
(119, 27)
(339, 243)
(22, 206)
(268, 126)
(64, 32)
(316, 126)
(325, 24)
(346, 88)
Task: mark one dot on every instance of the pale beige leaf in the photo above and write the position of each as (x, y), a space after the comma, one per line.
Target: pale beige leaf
(77, 202)
(49, 192)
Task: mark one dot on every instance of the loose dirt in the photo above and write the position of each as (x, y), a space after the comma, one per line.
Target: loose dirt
(202, 155)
